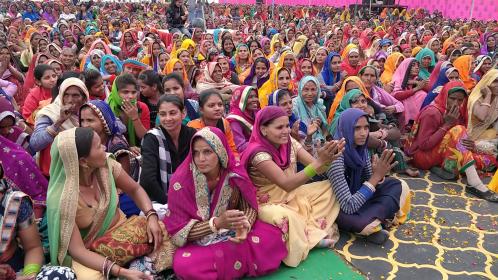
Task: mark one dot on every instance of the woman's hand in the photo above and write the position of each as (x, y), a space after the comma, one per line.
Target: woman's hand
(135, 151)
(313, 127)
(130, 110)
(154, 232)
(64, 113)
(469, 144)
(486, 93)
(452, 115)
(241, 232)
(230, 219)
(135, 275)
(330, 151)
(295, 130)
(389, 87)
(383, 165)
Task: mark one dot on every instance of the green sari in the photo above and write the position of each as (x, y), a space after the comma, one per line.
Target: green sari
(63, 195)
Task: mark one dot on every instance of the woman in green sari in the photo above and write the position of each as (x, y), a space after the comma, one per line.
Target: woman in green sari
(87, 231)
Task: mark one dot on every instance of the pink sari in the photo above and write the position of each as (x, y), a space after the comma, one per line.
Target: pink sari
(413, 103)
(191, 204)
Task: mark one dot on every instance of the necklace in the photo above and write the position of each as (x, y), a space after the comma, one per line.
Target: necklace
(86, 202)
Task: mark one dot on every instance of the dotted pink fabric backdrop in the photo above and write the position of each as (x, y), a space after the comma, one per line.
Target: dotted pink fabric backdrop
(483, 9)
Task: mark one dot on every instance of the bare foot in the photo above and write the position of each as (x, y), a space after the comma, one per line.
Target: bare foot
(412, 172)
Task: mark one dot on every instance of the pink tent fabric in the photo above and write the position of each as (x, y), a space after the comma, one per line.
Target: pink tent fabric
(483, 9)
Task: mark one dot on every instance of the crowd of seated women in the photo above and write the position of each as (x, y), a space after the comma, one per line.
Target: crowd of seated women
(128, 151)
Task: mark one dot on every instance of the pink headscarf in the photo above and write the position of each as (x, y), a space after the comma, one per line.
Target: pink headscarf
(187, 196)
(259, 143)
(400, 73)
(238, 104)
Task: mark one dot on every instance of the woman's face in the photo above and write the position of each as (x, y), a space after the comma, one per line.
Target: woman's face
(266, 46)
(257, 54)
(286, 103)
(163, 60)
(435, 46)
(354, 59)
(454, 56)
(88, 118)
(146, 90)
(407, 52)
(253, 46)
(205, 159)
(170, 116)
(289, 61)
(223, 63)
(277, 131)
(335, 64)
(172, 87)
(252, 101)
(128, 93)
(414, 71)
(228, 46)
(97, 156)
(368, 77)
(320, 56)
(217, 74)
(283, 79)
(413, 41)
(491, 43)
(178, 68)
(96, 61)
(486, 66)
(97, 89)
(110, 67)
(351, 85)
(127, 38)
(455, 99)
(426, 61)
(243, 52)
(453, 76)
(99, 46)
(309, 93)
(213, 109)
(68, 36)
(291, 34)
(260, 69)
(156, 49)
(185, 57)
(361, 130)
(6, 125)
(48, 79)
(57, 68)
(73, 97)
(307, 68)
(42, 45)
(360, 103)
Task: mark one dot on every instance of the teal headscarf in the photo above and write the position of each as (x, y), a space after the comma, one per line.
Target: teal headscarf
(345, 104)
(119, 66)
(424, 72)
(307, 114)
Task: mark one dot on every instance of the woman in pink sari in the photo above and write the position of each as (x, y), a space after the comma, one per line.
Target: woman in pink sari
(212, 215)
(409, 89)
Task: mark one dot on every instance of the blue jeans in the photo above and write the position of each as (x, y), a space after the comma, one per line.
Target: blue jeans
(180, 29)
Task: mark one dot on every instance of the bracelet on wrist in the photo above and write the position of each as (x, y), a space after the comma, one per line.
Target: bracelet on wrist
(212, 226)
(309, 171)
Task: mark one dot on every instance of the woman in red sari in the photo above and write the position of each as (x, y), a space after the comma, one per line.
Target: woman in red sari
(439, 142)
(129, 45)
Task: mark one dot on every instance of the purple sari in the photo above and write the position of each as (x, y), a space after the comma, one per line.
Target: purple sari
(214, 256)
(20, 168)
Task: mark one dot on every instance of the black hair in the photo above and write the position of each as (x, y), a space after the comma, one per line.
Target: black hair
(281, 93)
(173, 76)
(253, 41)
(151, 78)
(65, 75)
(83, 138)
(205, 94)
(407, 74)
(91, 78)
(124, 80)
(204, 97)
(40, 69)
(175, 100)
(223, 40)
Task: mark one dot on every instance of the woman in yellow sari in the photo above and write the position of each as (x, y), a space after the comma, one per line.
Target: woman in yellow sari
(83, 216)
(392, 63)
(279, 79)
(305, 213)
(482, 126)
